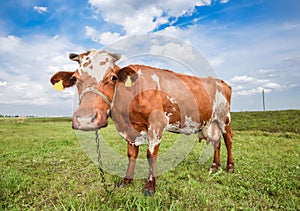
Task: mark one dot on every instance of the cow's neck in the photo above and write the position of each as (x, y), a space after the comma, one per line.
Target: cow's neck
(120, 111)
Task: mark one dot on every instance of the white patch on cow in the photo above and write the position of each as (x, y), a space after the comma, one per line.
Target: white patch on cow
(172, 100)
(139, 72)
(171, 127)
(123, 134)
(150, 177)
(144, 137)
(219, 103)
(97, 64)
(175, 127)
(141, 139)
(220, 109)
(228, 116)
(167, 115)
(154, 141)
(156, 79)
(190, 126)
(80, 71)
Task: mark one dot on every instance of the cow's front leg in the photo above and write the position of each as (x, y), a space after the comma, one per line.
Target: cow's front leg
(149, 189)
(132, 152)
(157, 124)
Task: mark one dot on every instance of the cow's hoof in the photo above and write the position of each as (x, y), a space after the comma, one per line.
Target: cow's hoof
(214, 168)
(149, 189)
(125, 182)
(230, 168)
(147, 192)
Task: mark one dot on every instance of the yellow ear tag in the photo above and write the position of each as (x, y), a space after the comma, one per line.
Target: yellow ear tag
(128, 82)
(58, 86)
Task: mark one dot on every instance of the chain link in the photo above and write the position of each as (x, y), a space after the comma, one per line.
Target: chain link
(107, 190)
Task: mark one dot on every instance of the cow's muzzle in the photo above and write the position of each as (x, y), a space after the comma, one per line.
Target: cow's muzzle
(88, 122)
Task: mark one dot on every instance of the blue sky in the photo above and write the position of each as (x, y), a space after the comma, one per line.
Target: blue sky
(251, 44)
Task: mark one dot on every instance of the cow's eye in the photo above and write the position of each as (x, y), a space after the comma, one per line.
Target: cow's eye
(73, 79)
(114, 78)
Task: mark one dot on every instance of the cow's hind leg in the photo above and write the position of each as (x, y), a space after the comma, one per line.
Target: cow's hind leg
(228, 142)
(215, 139)
(132, 152)
(216, 163)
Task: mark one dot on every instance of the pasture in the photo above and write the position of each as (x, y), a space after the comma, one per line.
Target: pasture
(43, 167)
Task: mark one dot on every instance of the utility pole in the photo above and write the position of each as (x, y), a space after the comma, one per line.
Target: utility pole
(263, 97)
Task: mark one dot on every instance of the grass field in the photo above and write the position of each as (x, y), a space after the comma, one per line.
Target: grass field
(43, 167)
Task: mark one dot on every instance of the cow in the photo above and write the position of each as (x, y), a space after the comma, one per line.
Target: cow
(145, 101)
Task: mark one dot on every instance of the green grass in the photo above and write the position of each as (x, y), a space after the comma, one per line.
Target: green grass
(270, 121)
(43, 167)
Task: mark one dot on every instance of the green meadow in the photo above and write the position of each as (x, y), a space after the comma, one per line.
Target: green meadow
(43, 167)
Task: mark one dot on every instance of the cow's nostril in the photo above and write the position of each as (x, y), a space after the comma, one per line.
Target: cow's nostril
(93, 117)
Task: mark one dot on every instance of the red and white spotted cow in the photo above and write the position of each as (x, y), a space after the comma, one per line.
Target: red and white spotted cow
(144, 101)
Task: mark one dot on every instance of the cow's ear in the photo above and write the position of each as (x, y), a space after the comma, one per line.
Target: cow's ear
(116, 56)
(61, 80)
(74, 57)
(126, 71)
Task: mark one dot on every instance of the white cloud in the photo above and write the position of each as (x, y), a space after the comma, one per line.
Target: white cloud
(3, 83)
(91, 32)
(27, 68)
(143, 21)
(242, 79)
(140, 17)
(249, 85)
(224, 1)
(178, 51)
(253, 91)
(40, 9)
(273, 85)
(107, 38)
(176, 8)
(182, 52)
(9, 43)
(104, 38)
(216, 62)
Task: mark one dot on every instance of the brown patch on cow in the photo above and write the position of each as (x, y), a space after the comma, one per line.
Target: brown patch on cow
(104, 62)
(91, 66)
(86, 63)
(227, 120)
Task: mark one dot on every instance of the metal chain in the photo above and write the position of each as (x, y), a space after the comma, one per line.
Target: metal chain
(107, 190)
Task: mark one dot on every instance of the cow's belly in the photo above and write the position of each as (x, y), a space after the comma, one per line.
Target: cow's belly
(209, 131)
(188, 126)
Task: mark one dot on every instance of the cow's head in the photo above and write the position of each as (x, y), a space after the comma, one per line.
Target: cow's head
(93, 65)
